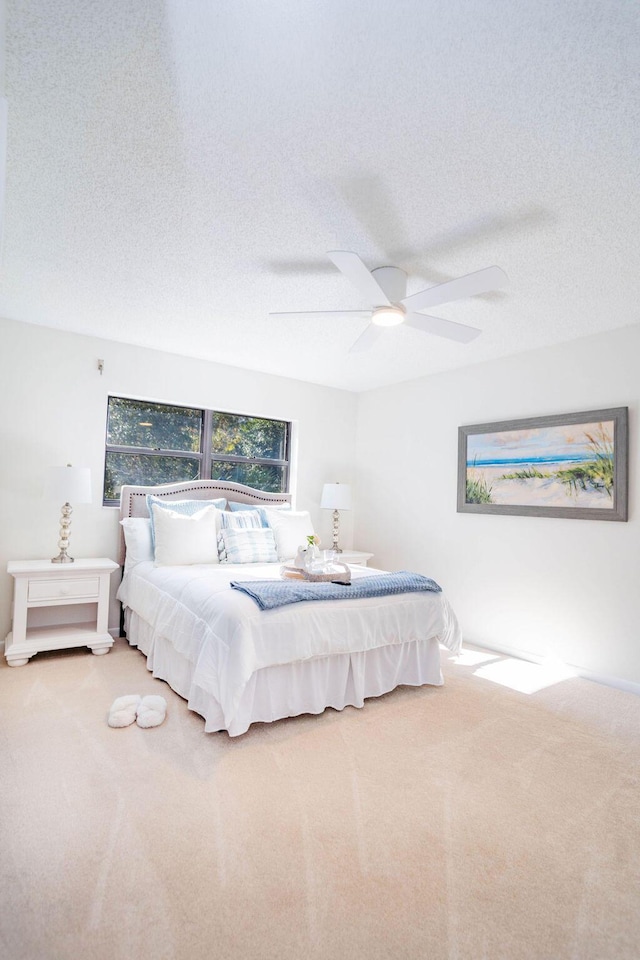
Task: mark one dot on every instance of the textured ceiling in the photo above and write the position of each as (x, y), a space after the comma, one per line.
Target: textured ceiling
(178, 169)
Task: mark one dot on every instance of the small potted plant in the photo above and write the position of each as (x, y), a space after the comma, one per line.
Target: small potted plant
(311, 553)
(308, 552)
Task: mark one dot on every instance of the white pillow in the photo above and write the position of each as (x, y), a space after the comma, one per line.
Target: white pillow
(250, 545)
(290, 529)
(137, 541)
(182, 539)
(180, 506)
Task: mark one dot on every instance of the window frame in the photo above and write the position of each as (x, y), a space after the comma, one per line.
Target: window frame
(206, 454)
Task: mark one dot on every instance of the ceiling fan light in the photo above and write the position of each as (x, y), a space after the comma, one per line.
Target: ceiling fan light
(387, 316)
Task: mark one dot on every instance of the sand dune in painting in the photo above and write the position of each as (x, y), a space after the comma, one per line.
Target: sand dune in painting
(545, 491)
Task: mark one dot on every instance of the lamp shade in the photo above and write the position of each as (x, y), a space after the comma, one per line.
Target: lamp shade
(70, 484)
(336, 496)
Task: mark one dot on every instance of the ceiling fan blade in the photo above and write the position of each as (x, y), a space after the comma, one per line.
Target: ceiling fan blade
(442, 328)
(367, 338)
(468, 286)
(323, 314)
(360, 276)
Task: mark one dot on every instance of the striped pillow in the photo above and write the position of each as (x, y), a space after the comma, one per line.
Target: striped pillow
(247, 519)
(263, 511)
(241, 521)
(249, 545)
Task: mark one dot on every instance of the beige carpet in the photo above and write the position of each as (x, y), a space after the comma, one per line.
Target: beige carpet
(466, 822)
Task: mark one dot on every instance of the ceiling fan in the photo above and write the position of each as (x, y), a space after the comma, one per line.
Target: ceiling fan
(385, 289)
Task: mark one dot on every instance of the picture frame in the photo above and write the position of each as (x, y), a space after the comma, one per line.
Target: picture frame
(572, 465)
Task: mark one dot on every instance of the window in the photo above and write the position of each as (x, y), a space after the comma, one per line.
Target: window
(152, 443)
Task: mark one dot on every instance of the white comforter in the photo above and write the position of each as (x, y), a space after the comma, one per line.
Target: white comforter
(227, 637)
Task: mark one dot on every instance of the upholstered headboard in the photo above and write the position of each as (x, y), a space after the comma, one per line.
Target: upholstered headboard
(133, 499)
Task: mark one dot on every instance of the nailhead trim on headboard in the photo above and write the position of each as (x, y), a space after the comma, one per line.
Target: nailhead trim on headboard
(257, 497)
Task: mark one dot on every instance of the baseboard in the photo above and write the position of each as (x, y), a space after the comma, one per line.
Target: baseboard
(627, 685)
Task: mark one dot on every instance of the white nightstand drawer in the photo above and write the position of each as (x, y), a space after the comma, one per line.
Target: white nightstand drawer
(86, 588)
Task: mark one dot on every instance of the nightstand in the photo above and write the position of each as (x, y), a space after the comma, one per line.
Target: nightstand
(41, 583)
(354, 556)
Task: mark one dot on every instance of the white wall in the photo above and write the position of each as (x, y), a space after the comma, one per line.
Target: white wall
(53, 404)
(537, 586)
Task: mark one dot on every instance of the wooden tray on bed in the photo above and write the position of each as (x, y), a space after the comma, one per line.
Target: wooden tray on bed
(343, 575)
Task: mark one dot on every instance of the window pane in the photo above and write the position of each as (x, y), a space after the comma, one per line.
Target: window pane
(135, 423)
(260, 475)
(140, 469)
(249, 437)
(144, 438)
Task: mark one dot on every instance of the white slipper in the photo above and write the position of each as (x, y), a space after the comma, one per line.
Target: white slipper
(151, 711)
(123, 710)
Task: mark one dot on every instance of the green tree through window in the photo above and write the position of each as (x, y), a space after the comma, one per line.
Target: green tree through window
(153, 443)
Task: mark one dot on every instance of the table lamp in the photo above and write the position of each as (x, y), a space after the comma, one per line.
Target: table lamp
(67, 484)
(336, 497)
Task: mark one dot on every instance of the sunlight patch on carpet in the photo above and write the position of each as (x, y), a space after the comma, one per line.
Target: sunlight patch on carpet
(525, 677)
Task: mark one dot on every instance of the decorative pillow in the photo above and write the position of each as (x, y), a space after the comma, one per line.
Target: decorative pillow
(245, 520)
(137, 541)
(263, 511)
(250, 545)
(242, 520)
(187, 507)
(183, 539)
(290, 529)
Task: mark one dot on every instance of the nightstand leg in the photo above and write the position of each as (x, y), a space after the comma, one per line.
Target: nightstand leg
(18, 659)
(19, 618)
(99, 649)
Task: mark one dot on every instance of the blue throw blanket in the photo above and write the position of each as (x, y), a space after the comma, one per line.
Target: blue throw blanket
(275, 593)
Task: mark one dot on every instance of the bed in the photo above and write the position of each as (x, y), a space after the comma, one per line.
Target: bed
(234, 663)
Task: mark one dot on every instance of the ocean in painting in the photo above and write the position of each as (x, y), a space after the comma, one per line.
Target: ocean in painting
(569, 458)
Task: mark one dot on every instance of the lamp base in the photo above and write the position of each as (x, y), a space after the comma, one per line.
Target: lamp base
(63, 542)
(336, 530)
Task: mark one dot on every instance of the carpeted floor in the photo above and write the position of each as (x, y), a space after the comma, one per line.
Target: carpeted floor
(458, 823)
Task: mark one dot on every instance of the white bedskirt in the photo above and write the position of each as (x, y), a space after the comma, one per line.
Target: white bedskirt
(237, 664)
(288, 690)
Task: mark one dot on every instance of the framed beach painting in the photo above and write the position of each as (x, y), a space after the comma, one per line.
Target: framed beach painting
(568, 465)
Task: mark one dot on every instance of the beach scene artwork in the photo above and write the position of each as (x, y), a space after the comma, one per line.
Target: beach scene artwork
(570, 465)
